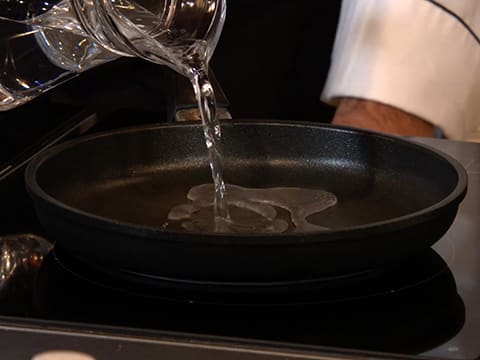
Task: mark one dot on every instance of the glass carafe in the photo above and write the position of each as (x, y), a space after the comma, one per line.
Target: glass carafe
(46, 42)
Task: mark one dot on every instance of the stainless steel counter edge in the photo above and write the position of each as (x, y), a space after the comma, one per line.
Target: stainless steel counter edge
(23, 339)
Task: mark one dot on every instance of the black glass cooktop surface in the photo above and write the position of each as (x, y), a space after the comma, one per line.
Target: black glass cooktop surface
(428, 307)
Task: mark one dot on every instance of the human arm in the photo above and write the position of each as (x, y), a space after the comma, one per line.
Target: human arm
(379, 117)
(414, 57)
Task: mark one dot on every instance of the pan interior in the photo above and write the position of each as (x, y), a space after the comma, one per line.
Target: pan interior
(137, 176)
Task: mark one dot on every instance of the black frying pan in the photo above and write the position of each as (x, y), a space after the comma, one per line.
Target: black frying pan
(103, 199)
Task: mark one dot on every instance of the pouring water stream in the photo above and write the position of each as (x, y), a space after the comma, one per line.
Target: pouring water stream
(72, 36)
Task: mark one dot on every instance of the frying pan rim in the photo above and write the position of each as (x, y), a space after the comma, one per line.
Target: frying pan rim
(394, 224)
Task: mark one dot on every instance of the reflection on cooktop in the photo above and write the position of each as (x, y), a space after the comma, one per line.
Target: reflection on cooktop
(409, 309)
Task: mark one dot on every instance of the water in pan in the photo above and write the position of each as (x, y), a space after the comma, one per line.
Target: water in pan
(253, 210)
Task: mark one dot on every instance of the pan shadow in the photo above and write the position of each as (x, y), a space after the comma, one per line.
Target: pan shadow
(408, 309)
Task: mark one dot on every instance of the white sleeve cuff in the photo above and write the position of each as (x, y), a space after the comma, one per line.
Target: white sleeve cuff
(412, 55)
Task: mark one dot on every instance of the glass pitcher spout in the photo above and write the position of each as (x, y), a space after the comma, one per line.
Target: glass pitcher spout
(43, 43)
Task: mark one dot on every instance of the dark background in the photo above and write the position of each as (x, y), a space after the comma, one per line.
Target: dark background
(273, 57)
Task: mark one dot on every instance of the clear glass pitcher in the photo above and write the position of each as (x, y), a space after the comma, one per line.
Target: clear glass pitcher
(46, 42)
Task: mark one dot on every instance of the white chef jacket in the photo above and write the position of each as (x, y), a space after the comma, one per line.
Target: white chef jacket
(421, 56)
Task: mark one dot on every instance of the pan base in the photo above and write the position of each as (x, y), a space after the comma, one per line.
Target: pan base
(146, 196)
(334, 288)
